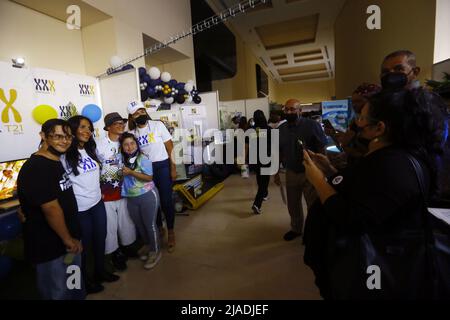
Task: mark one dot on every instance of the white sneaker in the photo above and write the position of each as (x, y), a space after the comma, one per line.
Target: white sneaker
(153, 259)
(266, 198)
(143, 252)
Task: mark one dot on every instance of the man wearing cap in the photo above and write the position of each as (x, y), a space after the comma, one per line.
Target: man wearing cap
(119, 223)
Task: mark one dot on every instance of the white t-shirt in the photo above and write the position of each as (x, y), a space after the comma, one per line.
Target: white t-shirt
(151, 140)
(86, 185)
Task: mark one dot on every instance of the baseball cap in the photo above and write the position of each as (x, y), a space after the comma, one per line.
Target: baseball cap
(134, 106)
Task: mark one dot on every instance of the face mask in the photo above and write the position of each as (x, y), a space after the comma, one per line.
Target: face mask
(291, 117)
(141, 120)
(130, 160)
(54, 151)
(364, 141)
(394, 81)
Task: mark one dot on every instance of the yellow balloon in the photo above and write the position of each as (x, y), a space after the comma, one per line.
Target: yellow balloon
(43, 113)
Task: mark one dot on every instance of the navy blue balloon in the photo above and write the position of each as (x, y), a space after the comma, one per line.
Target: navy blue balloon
(180, 99)
(151, 92)
(146, 78)
(180, 86)
(172, 83)
(127, 67)
(197, 99)
(142, 72)
(153, 83)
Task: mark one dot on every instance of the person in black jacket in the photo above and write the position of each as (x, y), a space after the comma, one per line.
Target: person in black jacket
(261, 139)
(380, 195)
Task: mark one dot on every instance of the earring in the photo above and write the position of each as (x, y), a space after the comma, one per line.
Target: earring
(376, 140)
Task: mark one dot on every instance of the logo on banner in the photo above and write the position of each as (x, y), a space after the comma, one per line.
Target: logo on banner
(68, 111)
(86, 89)
(8, 109)
(44, 85)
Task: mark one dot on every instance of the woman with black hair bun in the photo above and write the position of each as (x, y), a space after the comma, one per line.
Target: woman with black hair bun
(83, 167)
(379, 198)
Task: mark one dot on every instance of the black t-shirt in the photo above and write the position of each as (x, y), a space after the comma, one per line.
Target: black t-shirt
(307, 130)
(40, 181)
(379, 194)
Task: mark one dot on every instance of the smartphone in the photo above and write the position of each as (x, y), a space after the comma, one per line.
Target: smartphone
(328, 125)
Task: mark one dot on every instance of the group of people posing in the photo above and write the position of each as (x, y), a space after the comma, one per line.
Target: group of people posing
(80, 196)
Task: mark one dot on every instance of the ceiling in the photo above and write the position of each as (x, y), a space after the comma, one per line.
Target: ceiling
(293, 39)
(57, 9)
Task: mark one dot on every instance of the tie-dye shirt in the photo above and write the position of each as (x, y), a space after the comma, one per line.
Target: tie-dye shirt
(133, 187)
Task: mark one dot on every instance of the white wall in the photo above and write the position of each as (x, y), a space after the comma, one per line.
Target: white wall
(442, 35)
(43, 41)
(159, 19)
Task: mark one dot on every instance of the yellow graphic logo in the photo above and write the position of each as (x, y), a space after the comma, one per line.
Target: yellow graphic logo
(151, 137)
(9, 106)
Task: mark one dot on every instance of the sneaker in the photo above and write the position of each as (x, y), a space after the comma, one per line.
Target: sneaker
(119, 260)
(153, 259)
(256, 210)
(266, 198)
(106, 277)
(171, 241)
(94, 287)
(291, 235)
(143, 252)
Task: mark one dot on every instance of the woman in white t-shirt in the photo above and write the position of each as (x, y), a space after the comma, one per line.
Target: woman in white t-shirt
(82, 165)
(155, 142)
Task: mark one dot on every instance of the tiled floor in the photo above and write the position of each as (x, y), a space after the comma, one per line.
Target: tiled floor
(224, 251)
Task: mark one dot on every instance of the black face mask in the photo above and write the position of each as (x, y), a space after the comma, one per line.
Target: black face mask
(141, 120)
(364, 141)
(394, 81)
(54, 151)
(291, 117)
(130, 159)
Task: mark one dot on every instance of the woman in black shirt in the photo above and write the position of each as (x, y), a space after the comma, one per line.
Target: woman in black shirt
(381, 194)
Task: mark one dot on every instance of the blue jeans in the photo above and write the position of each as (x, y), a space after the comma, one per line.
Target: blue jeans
(53, 279)
(163, 181)
(93, 234)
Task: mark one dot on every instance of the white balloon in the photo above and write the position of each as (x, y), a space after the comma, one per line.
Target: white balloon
(169, 100)
(188, 87)
(165, 76)
(154, 73)
(190, 81)
(115, 61)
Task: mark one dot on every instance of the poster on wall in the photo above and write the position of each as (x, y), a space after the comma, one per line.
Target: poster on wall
(31, 96)
(337, 113)
(171, 119)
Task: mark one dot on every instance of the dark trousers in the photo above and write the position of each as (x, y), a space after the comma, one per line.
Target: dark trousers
(263, 185)
(93, 236)
(163, 181)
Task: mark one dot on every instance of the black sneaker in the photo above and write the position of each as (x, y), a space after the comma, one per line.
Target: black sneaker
(94, 287)
(129, 251)
(119, 260)
(291, 235)
(256, 210)
(107, 277)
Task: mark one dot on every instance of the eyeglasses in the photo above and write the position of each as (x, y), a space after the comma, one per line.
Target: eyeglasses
(118, 124)
(60, 137)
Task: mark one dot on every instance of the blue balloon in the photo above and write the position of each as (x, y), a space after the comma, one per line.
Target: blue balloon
(5, 266)
(127, 67)
(146, 78)
(151, 92)
(142, 72)
(172, 83)
(180, 86)
(10, 227)
(93, 112)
